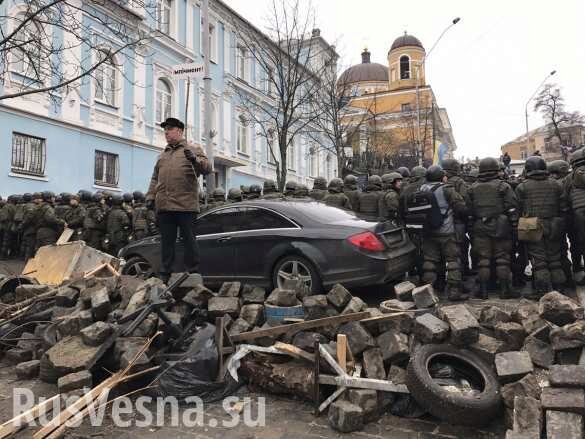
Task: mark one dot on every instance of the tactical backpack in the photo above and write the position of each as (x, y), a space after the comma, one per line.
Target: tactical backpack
(422, 210)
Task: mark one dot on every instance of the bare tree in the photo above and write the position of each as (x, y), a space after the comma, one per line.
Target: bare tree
(289, 58)
(50, 46)
(551, 104)
(338, 121)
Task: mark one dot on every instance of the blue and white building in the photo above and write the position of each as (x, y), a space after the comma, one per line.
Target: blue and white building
(105, 134)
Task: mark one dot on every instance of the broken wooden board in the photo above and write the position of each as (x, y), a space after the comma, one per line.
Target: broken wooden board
(296, 327)
(65, 236)
(54, 264)
(362, 383)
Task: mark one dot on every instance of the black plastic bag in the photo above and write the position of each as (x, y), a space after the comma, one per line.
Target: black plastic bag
(195, 372)
(406, 407)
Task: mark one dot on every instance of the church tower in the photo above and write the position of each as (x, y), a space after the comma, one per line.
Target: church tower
(405, 63)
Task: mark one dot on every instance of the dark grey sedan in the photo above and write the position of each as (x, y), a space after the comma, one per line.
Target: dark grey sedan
(265, 242)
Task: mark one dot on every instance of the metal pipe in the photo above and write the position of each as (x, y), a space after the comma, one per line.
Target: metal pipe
(210, 179)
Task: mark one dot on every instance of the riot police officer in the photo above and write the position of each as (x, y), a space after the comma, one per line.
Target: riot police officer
(370, 199)
(319, 190)
(217, 198)
(270, 192)
(143, 219)
(492, 204)
(94, 224)
(351, 191)
(235, 195)
(118, 226)
(389, 204)
(75, 216)
(336, 197)
(541, 203)
(49, 225)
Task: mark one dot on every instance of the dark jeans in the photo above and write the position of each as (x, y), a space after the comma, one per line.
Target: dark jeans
(168, 223)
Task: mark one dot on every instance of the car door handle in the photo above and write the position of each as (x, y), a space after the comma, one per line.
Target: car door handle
(225, 239)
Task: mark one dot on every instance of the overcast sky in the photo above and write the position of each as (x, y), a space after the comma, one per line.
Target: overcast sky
(483, 70)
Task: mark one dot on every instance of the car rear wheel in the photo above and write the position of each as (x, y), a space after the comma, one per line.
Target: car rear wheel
(138, 267)
(296, 268)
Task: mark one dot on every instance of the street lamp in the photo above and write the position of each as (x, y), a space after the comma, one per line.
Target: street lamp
(422, 63)
(528, 102)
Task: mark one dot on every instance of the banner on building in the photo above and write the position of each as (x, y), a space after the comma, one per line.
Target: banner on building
(187, 71)
(441, 150)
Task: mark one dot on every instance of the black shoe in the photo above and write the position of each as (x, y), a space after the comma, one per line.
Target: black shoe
(506, 292)
(165, 277)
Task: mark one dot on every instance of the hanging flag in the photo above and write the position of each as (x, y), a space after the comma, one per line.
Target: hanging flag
(441, 150)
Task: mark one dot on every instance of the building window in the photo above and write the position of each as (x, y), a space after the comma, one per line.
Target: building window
(241, 63)
(406, 108)
(27, 57)
(404, 67)
(523, 155)
(328, 166)
(107, 168)
(28, 154)
(242, 139)
(212, 41)
(163, 16)
(163, 100)
(106, 82)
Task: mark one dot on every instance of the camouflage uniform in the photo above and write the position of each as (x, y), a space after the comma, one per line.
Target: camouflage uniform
(369, 200)
(49, 226)
(453, 169)
(493, 205)
(217, 198)
(9, 233)
(94, 224)
(440, 246)
(389, 204)
(62, 205)
(118, 226)
(543, 198)
(301, 191)
(319, 190)
(351, 191)
(336, 197)
(75, 216)
(30, 225)
(574, 193)
(270, 192)
(143, 219)
(235, 195)
(255, 192)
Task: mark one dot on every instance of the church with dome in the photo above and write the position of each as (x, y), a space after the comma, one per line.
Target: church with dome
(391, 117)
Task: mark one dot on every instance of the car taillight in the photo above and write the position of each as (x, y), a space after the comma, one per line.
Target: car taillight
(367, 241)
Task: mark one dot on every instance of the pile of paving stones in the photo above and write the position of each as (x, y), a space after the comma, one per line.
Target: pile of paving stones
(524, 347)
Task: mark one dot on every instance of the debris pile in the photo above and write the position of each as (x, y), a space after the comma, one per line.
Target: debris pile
(409, 356)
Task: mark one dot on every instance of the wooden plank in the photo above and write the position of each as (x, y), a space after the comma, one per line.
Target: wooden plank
(94, 271)
(384, 317)
(342, 351)
(19, 422)
(329, 359)
(65, 236)
(316, 373)
(362, 383)
(331, 398)
(295, 327)
(294, 352)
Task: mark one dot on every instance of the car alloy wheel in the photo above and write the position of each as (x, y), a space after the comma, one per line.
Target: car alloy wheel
(138, 267)
(294, 270)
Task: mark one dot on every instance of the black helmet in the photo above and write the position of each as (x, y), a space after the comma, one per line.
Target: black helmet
(65, 197)
(451, 166)
(235, 194)
(434, 173)
(301, 190)
(320, 183)
(27, 197)
(290, 186)
(336, 185)
(255, 189)
(269, 186)
(389, 179)
(558, 168)
(138, 196)
(403, 170)
(418, 172)
(218, 194)
(85, 196)
(245, 190)
(350, 179)
(374, 180)
(127, 197)
(578, 158)
(116, 200)
(488, 165)
(59, 199)
(97, 197)
(35, 196)
(534, 165)
(47, 195)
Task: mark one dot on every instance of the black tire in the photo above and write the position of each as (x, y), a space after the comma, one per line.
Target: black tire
(454, 407)
(130, 268)
(309, 268)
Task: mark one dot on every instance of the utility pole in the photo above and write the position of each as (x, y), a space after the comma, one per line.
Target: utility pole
(210, 179)
(528, 102)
